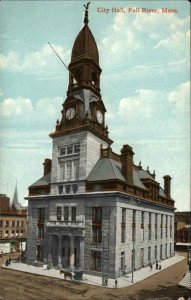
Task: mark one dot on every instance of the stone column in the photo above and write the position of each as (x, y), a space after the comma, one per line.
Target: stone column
(60, 251)
(81, 255)
(71, 252)
(49, 251)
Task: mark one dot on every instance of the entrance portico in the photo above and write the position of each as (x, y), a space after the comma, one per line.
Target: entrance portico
(66, 251)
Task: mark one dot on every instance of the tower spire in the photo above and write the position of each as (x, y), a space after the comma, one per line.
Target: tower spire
(15, 203)
(86, 13)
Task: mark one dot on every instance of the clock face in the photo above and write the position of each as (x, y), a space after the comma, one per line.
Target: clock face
(99, 117)
(70, 113)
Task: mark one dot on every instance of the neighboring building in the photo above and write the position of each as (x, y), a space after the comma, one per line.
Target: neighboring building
(94, 209)
(13, 224)
(182, 230)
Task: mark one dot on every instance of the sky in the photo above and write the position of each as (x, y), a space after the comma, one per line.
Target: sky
(145, 84)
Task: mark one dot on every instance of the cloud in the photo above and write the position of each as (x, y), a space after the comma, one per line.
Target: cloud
(177, 43)
(23, 114)
(142, 103)
(12, 107)
(137, 34)
(180, 96)
(37, 61)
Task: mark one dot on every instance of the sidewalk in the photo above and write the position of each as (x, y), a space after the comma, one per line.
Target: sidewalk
(95, 280)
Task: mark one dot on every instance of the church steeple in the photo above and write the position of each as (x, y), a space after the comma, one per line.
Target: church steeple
(15, 202)
(83, 106)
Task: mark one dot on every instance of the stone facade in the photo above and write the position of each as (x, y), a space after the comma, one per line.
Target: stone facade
(93, 209)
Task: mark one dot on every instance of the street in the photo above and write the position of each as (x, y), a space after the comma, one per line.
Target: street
(23, 286)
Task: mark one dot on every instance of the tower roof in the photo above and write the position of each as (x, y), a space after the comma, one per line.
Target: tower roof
(85, 44)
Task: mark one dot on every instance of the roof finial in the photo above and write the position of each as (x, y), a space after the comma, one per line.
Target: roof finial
(86, 13)
(140, 163)
(147, 168)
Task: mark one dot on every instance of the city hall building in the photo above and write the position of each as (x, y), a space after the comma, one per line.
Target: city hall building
(94, 209)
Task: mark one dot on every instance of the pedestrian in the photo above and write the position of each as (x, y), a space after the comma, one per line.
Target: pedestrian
(157, 265)
(116, 283)
(151, 266)
(106, 280)
(160, 267)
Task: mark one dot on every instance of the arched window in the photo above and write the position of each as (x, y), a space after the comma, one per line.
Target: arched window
(78, 75)
(94, 79)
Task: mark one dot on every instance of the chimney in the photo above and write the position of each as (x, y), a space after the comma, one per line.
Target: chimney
(127, 163)
(47, 166)
(167, 180)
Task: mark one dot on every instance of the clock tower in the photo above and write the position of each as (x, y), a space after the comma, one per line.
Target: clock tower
(82, 124)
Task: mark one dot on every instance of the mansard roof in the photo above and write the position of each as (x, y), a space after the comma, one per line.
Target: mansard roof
(110, 169)
(106, 169)
(43, 181)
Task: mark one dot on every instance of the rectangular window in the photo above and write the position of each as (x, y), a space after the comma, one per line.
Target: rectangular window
(69, 169)
(7, 224)
(59, 213)
(142, 225)
(1, 223)
(76, 168)
(69, 150)
(66, 213)
(170, 226)
(97, 224)
(41, 232)
(6, 233)
(72, 149)
(161, 232)
(75, 188)
(96, 234)
(134, 226)
(123, 223)
(122, 261)
(149, 226)
(160, 251)
(17, 223)
(122, 233)
(60, 189)
(155, 252)
(123, 215)
(95, 261)
(67, 188)
(41, 214)
(166, 227)
(73, 213)
(1, 233)
(149, 254)
(156, 225)
(77, 148)
(97, 215)
(62, 170)
(142, 219)
(166, 250)
(63, 151)
(22, 223)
